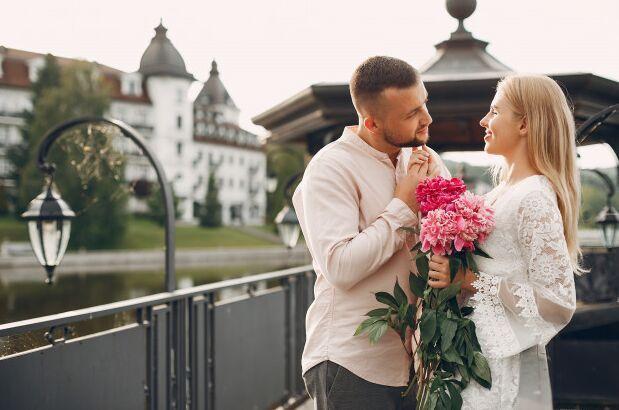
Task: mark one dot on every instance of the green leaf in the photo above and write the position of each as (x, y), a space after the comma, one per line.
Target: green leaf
(378, 330)
(400, 296)
(444, 399)
(366, 324)
(452, 356)
(423, 267)
(481, 370)
(378, 312)
(471, 262)
(454, 266)
(454, 394)
(387, 299)
(449, 292)
(448, 331)
(410, 316)
(465, 375)
(480, 252)
(473, 336)
(427, 325)
(417, 284)
(466, 310)
(432, 401)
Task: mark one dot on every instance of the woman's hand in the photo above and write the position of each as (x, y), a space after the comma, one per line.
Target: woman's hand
(439, 276)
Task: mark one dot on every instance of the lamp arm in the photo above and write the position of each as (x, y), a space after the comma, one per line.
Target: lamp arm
(52, 135)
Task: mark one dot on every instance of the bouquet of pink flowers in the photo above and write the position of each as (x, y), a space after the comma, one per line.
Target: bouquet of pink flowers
(454, 223)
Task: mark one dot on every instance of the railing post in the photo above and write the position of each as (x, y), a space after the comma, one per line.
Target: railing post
(210, 351)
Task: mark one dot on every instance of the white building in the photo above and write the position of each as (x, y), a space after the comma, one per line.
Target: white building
(190, 138)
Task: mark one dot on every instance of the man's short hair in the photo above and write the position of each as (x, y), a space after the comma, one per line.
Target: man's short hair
(376, 74)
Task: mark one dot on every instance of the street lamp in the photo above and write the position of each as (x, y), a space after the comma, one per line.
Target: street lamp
(608, 218)
(288, 226)
(286, 220)
(49, 227)
(49, 217)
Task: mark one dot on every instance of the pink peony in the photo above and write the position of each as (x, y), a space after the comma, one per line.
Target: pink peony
(438, 192)
(457, 225)
(438, 231)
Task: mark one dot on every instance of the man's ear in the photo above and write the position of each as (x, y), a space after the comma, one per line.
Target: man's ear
(370, 124)
(524, 127)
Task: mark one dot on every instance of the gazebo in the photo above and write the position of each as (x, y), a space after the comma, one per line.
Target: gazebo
(460, 79)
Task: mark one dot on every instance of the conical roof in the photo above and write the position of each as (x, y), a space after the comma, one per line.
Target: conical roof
(162, 58)
(215, 90)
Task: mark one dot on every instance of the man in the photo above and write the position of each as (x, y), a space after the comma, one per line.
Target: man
(355, 195)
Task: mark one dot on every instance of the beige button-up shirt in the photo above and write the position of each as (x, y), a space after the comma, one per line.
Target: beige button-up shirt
(350, 219)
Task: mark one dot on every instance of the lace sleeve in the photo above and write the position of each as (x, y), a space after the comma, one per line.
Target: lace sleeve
(545, 301)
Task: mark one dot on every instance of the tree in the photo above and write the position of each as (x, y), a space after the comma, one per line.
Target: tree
(19, 154)
(89, 170)
(210, 215)
(4, 203)
(156, 208)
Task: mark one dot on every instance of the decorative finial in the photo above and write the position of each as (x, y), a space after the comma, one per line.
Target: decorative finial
(214, 70)
(461, 9)
(160, 30)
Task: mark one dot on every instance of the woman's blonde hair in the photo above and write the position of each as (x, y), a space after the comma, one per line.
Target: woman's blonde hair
(551, 145)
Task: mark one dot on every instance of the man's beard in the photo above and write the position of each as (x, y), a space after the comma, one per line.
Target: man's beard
(413, 143)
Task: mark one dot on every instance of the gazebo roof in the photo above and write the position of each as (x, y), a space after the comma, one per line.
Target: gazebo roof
(460, 79)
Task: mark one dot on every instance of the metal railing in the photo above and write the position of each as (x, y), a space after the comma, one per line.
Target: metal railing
(187, 349)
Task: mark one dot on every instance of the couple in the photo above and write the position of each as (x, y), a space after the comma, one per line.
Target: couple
(359, 190)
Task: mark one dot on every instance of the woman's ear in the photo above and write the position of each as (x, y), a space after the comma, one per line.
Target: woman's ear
(524, 127)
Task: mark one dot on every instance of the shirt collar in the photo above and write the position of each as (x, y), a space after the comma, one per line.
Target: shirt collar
(350, 135)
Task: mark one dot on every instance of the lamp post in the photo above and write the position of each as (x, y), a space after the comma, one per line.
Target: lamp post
(608, 218)
(286, 220)
(49, 217)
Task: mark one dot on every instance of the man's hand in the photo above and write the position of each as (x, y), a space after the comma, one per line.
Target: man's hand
(434, 168)
(417, 172)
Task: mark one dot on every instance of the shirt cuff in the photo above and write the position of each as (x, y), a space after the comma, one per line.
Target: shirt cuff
(404, 215)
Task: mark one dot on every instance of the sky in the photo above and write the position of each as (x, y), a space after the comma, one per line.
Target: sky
(269, 50)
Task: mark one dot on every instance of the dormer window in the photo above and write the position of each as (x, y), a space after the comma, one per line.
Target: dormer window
(34, 66)
(131, 84)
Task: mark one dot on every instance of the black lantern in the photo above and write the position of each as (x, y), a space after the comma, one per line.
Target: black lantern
(49, 228)
(288, 226)
(608, 220)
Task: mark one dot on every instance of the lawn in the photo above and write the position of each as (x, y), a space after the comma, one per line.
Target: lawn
(144, 234)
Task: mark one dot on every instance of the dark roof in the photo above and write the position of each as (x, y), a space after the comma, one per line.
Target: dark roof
(15, 73)
(215, 90)
(162, 58)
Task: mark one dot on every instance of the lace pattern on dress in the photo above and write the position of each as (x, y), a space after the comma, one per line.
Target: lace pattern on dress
(496, 340)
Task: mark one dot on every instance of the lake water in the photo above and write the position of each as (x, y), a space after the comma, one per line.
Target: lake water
(30, 299)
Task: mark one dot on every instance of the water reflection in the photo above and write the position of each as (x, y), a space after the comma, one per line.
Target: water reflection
(25, 300)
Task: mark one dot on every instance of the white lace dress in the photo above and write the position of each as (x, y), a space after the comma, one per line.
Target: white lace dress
(525, 295)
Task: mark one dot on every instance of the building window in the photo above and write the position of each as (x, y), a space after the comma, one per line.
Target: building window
(180, 96)
(179, 122)
(179, 148)
(231, 183)
(231, 159)
(242, 160)
(242, 184)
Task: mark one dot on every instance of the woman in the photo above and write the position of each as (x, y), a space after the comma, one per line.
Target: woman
(525, 294)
